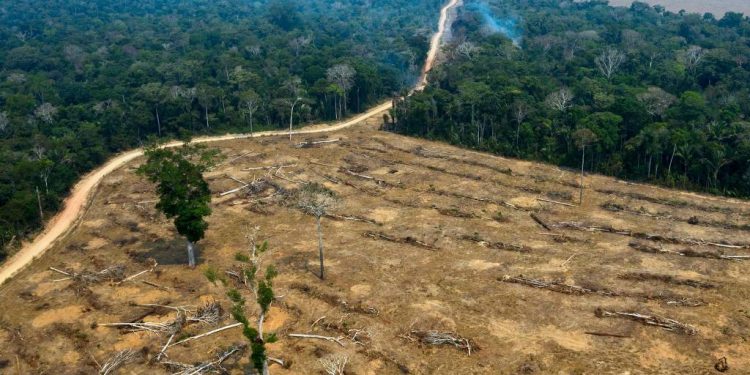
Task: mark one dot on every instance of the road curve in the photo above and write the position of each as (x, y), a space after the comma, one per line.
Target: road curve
(82, 193)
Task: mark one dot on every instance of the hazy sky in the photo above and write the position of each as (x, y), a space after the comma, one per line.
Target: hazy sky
(717, 7)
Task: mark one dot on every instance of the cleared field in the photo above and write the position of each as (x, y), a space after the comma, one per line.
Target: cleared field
(428, 237)
(717, 7)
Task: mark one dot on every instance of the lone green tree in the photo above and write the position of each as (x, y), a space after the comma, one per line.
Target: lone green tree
(262, 288)
(183, 193)
(316, 200)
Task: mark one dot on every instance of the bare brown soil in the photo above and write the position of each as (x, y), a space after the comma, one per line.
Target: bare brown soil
(439, 239)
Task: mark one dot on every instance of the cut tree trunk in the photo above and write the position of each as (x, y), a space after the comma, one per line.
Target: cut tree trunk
(320, 248)
(191, 254)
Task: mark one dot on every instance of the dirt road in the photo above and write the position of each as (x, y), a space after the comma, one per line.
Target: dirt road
(75, 205)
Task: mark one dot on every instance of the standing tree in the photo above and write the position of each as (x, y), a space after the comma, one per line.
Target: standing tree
(656, 101)
(183, 193)
(316, 200)
(342, 75)
(560, 100)
(249, 102)
(609, 62)
(520, 112)
(583, 137)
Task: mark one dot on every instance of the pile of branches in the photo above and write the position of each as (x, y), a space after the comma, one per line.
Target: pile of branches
(214, 366)
(118, 360)
(668, 279)
(646, 248)
(208, 314)
(437, 338)
(647, 236)
(405, 240)
(496, 245)
(115, 273)
(652, 320)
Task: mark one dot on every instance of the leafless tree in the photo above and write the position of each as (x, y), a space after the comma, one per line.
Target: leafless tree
(656, 101)
(17, 78)
(250, 102)
(45, 112)
(466, 50)
(692, 57)
(316, 200)
(609, 62)
(583, 137)
(294, 85)
(547, 42)
(572, 44)
(298, 43)
(560, 100)
(342, 75)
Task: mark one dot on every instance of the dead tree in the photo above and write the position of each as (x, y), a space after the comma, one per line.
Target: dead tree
(609, 62)
(316, 200)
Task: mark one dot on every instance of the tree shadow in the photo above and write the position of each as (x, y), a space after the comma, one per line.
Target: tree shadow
(167, 252)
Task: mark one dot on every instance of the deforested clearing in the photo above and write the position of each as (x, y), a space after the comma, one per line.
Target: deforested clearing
(439, 260)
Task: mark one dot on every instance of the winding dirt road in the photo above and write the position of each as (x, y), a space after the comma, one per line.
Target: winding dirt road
(82, 193)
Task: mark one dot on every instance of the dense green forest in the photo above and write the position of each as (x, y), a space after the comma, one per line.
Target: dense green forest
(82, 80)
(647, 94)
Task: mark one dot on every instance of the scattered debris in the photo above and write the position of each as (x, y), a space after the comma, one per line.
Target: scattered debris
(334, 300)
(496, 245)
(112, 274)
(668, 279)
(652, 320)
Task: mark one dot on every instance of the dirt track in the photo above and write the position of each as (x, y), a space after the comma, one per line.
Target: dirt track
(80, 196)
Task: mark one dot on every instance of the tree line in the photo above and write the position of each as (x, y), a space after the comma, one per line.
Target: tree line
(649, 94)
(82, 80)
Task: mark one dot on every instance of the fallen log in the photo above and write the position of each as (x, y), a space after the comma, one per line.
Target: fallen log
(685, 252)
(605, 334)
(315, 143)
(318, 337)
(559, 287)
(647, 236)
(555, 202)
(539, 221)
(652, 320)
(668, 279)
(406, 240)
